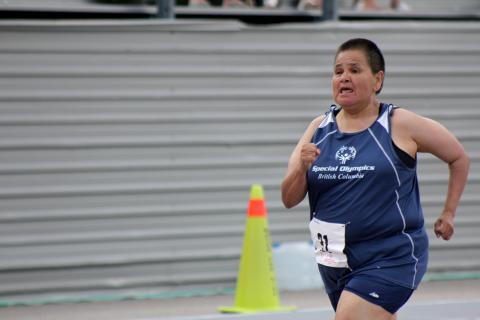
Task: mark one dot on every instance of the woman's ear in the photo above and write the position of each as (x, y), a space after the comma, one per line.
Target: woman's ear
(379, 76)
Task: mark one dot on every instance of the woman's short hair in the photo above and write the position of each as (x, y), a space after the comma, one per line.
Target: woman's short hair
(370, 49)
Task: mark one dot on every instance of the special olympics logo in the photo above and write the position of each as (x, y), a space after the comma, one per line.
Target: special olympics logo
(345, 154)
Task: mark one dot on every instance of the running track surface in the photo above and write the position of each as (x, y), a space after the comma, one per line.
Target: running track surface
(439, 310)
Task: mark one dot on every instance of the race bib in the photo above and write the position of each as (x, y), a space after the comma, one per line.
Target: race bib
(329, 241)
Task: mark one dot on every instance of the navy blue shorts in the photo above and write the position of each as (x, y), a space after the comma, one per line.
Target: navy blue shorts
(386, 294)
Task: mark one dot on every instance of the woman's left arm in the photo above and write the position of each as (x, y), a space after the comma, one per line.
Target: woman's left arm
(432, 137)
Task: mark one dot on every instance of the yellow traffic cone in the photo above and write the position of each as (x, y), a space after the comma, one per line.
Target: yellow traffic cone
(256, 289)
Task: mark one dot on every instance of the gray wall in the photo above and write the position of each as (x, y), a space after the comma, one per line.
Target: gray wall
(127, 150)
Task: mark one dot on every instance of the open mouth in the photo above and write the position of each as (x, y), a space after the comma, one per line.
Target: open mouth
(346, 90)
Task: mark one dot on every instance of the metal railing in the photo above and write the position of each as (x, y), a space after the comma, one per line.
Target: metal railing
(165, 9)
(329, 10)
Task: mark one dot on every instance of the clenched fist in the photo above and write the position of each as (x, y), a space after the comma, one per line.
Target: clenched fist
(308, 154)
(444, 227)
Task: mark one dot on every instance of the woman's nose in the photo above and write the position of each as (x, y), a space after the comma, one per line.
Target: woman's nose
(345, 77)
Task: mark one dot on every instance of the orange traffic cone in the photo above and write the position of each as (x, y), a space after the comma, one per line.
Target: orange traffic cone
(256, 283)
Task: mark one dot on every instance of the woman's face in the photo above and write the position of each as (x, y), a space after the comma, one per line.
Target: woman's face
(353, 81)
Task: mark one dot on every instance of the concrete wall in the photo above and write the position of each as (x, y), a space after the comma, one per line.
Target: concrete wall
(127, 149)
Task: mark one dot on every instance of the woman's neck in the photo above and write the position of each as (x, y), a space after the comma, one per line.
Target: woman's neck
(357, 118)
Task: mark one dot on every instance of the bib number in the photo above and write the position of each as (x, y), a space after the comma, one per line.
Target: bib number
(329, 241)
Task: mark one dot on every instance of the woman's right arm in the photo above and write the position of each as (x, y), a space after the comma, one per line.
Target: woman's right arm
(294, 185)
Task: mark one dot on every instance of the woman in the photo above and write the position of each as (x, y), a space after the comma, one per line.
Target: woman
(358, 165)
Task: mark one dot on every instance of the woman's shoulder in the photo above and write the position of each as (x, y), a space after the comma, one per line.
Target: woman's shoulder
(317, 121)
(325, 118)
(408, 123)
(404, 116)
(312, 127)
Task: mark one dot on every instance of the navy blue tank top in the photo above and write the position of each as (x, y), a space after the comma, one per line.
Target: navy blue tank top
(360, 180)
